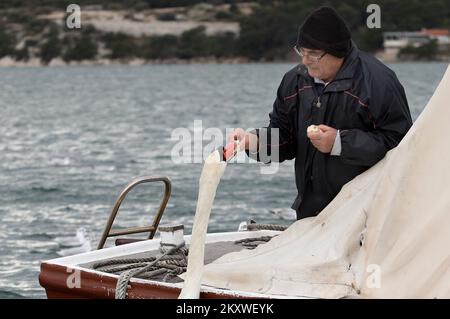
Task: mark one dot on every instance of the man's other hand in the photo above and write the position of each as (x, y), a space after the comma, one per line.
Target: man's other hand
(323, 138)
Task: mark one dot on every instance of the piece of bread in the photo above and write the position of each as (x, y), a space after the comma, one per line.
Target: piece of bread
(312, 129)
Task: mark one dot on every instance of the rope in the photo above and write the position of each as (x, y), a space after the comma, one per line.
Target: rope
(171, 263)
(252, 243)
(124, 278)
(110, 262)
(250, 240)
(266, 227)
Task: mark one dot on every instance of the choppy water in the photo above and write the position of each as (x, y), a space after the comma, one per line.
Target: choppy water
(71, 138)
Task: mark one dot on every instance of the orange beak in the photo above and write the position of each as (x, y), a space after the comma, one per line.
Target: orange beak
(229, 151)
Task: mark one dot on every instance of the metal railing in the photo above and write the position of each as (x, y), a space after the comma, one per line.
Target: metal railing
(135, 230)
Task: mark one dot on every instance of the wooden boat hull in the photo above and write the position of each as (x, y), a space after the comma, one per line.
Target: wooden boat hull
(54, 278)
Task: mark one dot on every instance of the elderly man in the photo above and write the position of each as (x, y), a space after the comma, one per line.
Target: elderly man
(337, 113)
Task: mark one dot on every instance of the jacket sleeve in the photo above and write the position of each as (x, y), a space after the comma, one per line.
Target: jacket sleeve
(391, 120)
(277, 142)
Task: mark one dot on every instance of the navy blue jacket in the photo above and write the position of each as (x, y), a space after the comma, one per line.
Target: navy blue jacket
(365, 101)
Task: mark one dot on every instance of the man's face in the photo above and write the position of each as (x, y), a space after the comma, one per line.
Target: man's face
(320, 64)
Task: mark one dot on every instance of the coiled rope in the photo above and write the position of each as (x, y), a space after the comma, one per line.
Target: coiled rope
(170, 263)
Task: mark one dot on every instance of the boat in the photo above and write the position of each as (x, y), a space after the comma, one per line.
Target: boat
(76, 277)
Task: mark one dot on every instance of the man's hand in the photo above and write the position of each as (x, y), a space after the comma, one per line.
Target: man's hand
(247, 141)
(322, 138)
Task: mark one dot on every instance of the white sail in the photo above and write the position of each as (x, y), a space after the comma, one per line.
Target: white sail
(386, 234)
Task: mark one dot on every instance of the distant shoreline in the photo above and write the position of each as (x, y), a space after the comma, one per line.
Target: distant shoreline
(8, 62)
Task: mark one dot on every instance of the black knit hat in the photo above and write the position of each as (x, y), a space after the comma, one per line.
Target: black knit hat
(324, 29)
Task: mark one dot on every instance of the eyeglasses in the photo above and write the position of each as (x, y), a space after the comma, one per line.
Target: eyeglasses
(316, 57)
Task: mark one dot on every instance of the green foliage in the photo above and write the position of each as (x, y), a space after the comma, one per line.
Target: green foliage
(22, 54)
(160, 47)
(121, 45)
(268, 30)
(234, 9)
(222, 45)
(368, 40)
(426, 51)
(81, 48)
(18, 17)
(193, 43)
(167, 17)
(224, 15)
(52, 47)
(8, 43)
(35, 26)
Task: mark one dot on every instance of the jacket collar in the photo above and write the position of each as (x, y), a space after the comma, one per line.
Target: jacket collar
(343, 79)
(347, 70)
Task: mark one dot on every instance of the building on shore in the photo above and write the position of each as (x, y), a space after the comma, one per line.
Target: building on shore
(393, 42)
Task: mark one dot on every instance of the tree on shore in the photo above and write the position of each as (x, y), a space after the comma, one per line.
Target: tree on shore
(7, 43)
(82, 48)
(52, 46)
